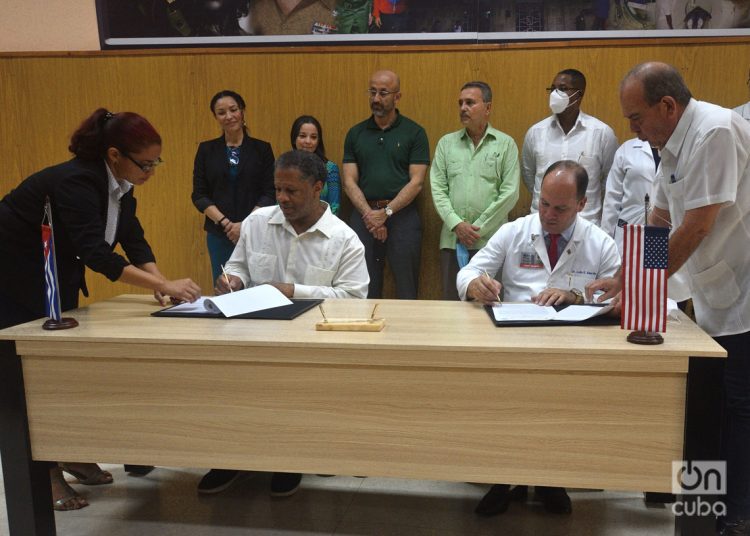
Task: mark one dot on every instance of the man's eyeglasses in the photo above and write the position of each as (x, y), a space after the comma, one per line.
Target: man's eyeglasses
(382, 93)
(143, 167)
(564, 89)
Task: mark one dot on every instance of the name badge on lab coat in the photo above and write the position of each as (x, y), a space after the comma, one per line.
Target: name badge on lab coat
(530, 259)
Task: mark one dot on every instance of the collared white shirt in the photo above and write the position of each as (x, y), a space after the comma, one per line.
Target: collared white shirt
(325, 261)
(517, 256)
(117, 189)
(706, 162)
(590, 142)
(744, 110)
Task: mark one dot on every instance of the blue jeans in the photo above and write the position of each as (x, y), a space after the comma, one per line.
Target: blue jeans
(220, 248)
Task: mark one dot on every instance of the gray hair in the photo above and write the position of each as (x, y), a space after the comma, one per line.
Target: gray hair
(484, 87)
(659, 80)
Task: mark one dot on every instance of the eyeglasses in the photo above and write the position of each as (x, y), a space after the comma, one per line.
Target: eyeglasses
(382, 93)
(144, 167)
(564, 89)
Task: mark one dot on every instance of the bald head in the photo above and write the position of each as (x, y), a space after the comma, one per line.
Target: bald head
(568, 171)
(386, 77)
(658, 80)
(563, 195)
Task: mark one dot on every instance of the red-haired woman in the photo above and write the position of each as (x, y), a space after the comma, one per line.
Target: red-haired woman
(93, 210)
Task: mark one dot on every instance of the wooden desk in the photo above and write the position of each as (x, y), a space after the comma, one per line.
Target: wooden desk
(439, 394)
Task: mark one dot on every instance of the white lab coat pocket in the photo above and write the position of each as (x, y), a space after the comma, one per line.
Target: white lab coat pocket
(319, 277)
(262, 267)
(718, 285)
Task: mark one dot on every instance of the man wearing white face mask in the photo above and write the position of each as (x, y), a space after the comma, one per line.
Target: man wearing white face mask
(569, 134)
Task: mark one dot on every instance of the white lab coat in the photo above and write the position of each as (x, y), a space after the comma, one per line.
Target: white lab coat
(517, 253)
(630, 180)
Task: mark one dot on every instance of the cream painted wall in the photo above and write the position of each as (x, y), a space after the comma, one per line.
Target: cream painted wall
(48, 25)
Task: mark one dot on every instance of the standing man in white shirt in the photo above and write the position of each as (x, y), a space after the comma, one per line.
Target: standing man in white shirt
(569, 134)
(302, 249)
(630, 180)
(703, 191)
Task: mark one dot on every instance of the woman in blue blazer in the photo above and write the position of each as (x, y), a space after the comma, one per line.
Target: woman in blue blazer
(232, 176)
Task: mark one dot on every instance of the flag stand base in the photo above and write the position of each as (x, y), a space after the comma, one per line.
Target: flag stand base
(63, 323)
(645, 337)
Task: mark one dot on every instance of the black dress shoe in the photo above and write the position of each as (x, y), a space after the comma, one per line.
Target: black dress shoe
(495, 501)
(217, 480)
(138, 470)
(555, 500)
(285, 484)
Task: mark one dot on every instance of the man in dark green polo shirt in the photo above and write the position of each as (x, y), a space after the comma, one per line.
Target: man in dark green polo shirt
(385, 163)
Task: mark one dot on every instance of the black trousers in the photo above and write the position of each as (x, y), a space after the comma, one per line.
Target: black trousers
(402, 249)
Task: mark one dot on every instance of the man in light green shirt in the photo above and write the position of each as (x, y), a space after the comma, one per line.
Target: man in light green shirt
(474, 179)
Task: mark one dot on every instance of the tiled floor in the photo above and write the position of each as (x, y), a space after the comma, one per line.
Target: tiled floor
(165, 503)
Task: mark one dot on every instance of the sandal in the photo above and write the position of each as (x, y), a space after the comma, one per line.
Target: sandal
(69, 502)
(70, 499)
(95, 478)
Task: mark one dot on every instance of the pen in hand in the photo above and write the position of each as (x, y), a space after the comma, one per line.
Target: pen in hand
(226, 278)
(488, 277)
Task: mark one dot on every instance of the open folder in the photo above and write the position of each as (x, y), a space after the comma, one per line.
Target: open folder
(530, 314)
(263, 301)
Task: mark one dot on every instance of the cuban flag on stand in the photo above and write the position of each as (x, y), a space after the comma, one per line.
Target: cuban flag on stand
(644, 285)
(51, 287)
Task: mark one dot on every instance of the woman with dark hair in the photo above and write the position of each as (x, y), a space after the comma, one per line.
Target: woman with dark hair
(307, 135)
(232, 176)
(93, 210)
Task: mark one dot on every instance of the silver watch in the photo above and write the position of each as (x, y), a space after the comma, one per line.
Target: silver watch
(388, 211)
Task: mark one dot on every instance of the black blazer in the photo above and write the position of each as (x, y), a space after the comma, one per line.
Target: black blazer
(78, 192)
(254, 185)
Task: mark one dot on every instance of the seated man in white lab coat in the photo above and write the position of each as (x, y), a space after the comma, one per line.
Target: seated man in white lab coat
(546, 258)
(302, 249)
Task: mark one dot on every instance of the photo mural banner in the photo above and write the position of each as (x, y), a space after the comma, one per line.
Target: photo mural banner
(149, 23)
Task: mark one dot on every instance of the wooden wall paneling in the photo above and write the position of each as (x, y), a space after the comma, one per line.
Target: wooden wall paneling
(43, 99)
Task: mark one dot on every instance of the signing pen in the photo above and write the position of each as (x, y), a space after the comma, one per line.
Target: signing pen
(226, 278)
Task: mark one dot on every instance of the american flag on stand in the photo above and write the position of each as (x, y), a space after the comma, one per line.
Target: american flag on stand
(644, 273)
(52, 294)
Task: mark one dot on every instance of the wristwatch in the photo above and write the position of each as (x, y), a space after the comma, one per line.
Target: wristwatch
(388, 211)
(579, 296)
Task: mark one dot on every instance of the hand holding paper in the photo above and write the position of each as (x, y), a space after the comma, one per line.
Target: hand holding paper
(244, 301)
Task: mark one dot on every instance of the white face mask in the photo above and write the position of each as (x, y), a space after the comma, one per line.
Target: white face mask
(559, 101)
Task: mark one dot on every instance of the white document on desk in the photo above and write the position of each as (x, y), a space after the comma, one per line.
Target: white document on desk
(506, 312)
(236, 303)
(531, 312)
